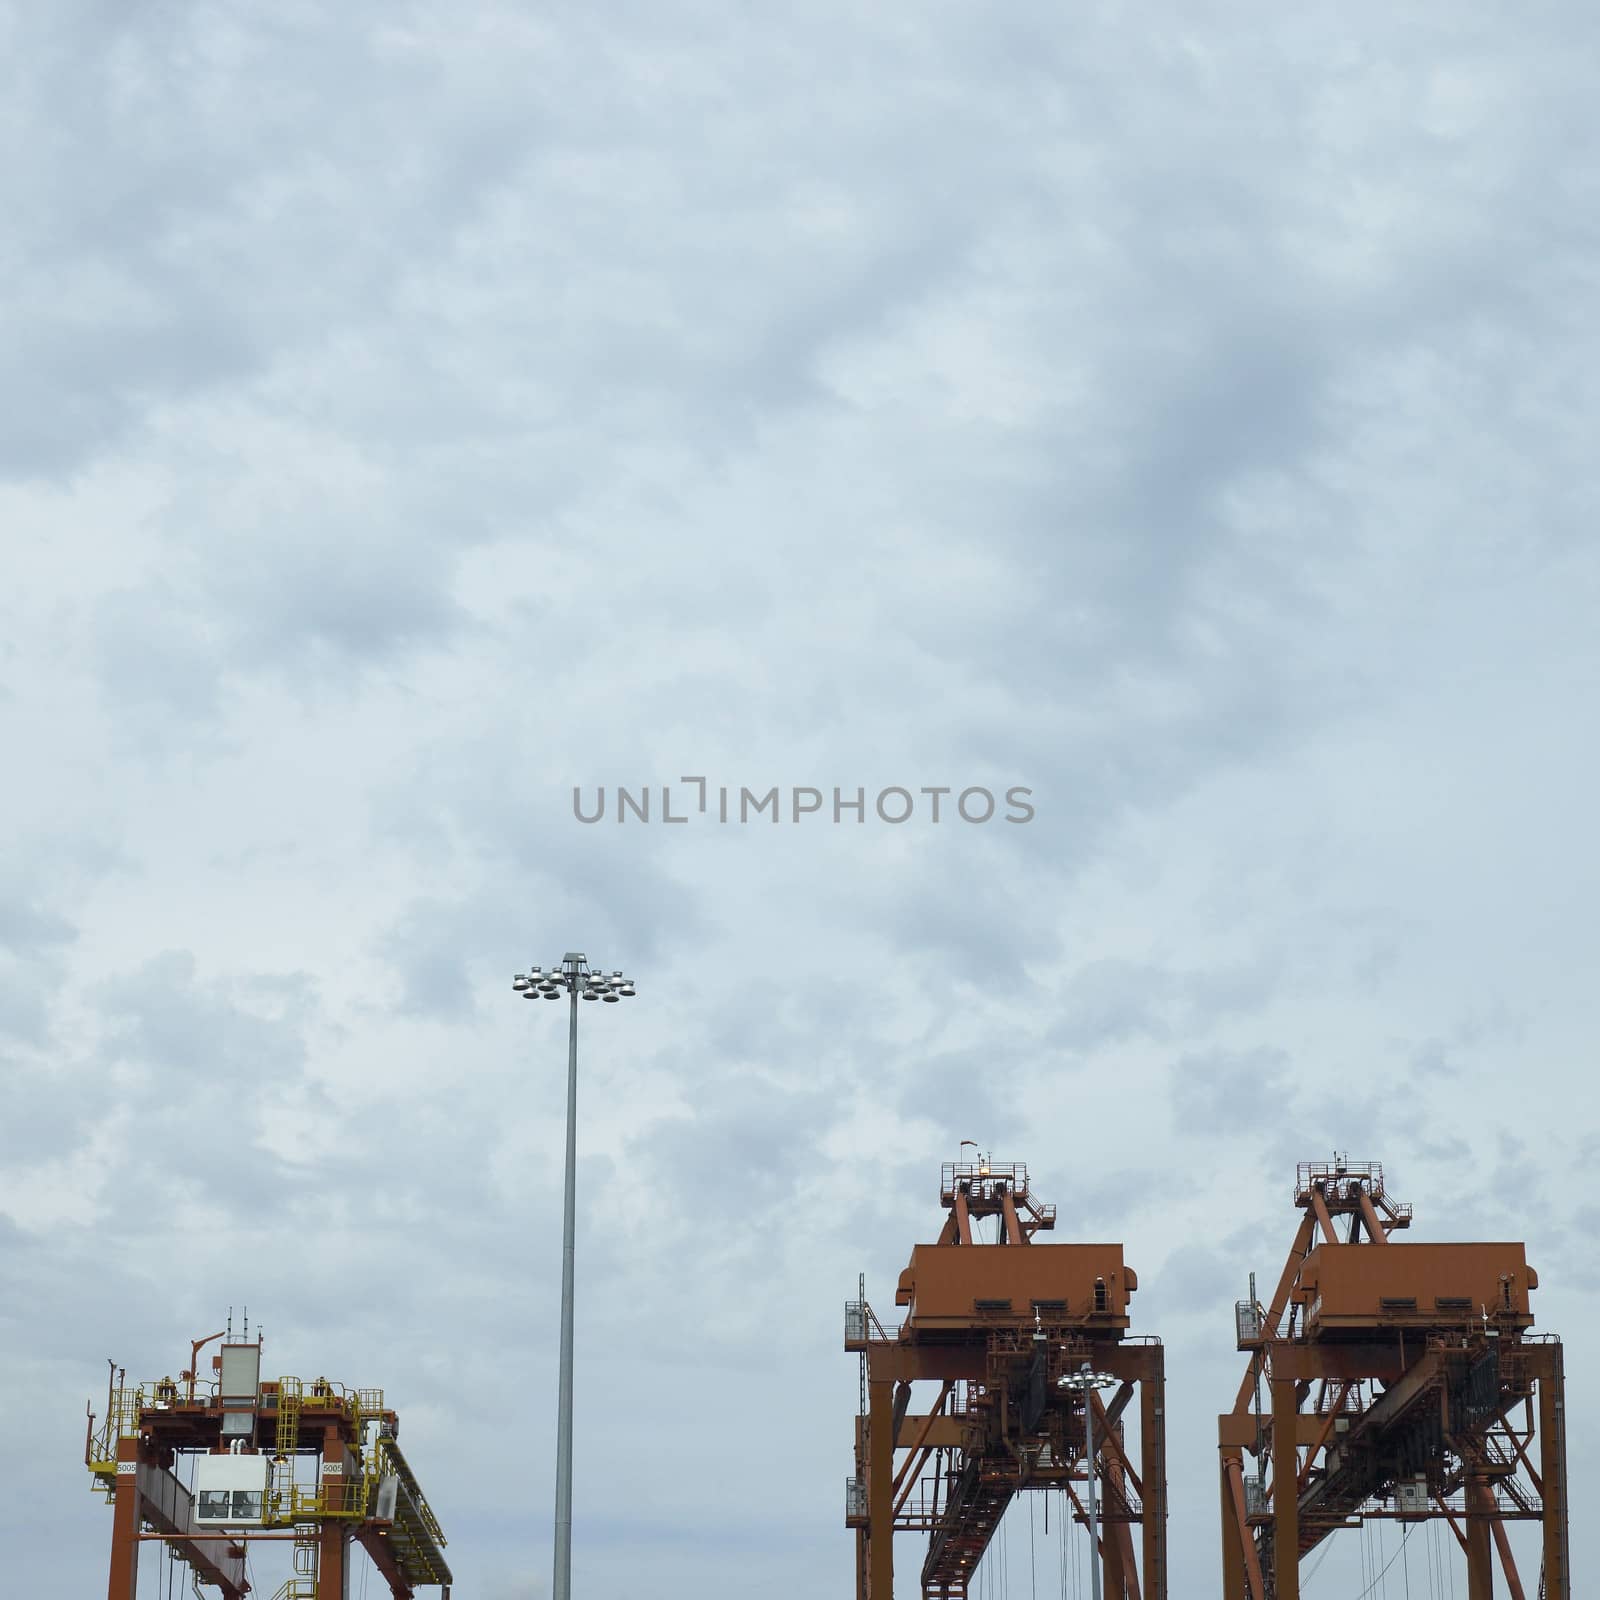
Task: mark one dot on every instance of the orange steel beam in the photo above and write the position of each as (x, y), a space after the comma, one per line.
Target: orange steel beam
(1369, 1215)
(1119, 1403)
(902, 1404)
(1233, 1581)
(1122, 1537)
(1233, 1473)
(1098, 1553)
(1285, 1507)
(373, 1539)
(125, 1524)
(1450, 1517)
(333, 1553)
(232, 1536)
(1553, 1469)
(915, 1462)
(917, 1444)
(1008, 1209)
(1520, 1445)
(1115, 1573)
(1280, 1299)
(333, 1538)
(1319, 1207)
(1503, 1545)
(1322, 1437)
(1107, 1442)
(1480, 1564)
(1130, 1572)
(880, 1490)
(963, 1217)
(1153, 1462)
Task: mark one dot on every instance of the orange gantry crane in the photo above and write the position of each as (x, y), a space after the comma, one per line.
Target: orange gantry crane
(313, 1463)
(1391, 1380)
(1017, 1334)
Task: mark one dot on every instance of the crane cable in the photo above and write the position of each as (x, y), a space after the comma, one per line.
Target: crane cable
(1061, 1540)
(1316, 1566)
(1389, 1563)
(1033, 1561)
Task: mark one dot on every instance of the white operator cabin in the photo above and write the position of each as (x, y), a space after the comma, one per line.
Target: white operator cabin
(231, 1491)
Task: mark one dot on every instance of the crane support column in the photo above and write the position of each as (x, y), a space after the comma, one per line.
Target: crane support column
(333, 1562)
(1116, 1584)
(880, 1489)
(1553, 1472)
(1285, 1504)
(1480, 1548)
(1232, 1544)
(1153, 1465)
(125, 1524)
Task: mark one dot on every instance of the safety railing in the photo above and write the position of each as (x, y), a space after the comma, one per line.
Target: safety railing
(121, 1422)
(855, 1499)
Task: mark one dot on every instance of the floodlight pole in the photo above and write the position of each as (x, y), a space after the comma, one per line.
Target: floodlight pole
(1086, 1380)
(561, 1586)
(1088, 1445)
(577, 979)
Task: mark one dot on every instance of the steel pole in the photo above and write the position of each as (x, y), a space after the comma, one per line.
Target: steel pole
(561, 1585)
(1088, 1443)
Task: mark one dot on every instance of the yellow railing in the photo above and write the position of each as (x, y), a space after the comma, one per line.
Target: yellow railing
(303, 1585)
(121, 1422)
(293, 1501)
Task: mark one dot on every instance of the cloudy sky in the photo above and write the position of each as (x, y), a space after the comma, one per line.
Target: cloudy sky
(1183, 411)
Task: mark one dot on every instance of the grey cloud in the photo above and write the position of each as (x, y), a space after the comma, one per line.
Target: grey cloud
(1197, 1280)
(1247, 1089)
(26, 928)
(24, 1005)
(1188, 421)
(189, 1029)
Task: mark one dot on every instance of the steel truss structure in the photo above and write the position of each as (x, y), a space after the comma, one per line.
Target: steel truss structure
(998, 1327)
(1390, 1380)
(326, 1458)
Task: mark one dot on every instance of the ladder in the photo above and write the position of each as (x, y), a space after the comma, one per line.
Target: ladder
(290, 1394)
(303, 1585)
